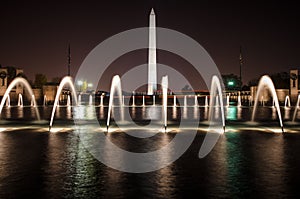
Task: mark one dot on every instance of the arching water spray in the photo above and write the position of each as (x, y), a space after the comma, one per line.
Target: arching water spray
(115, 87)
(217, 127)
(18, 80)
(67, 80)
(33, 102)
(20, 100)
(8, 101)
(266, 81)
(287, 102)
(296, 108)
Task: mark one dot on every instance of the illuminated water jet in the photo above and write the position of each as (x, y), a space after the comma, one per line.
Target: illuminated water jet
(101, 100)
(250, 101)
(79, 99)
(8, 101)
(133, 99)
(217, 127)
(174, 104)
(227, 100)
(90, 100)
(20, 100)
(164, 83)
(239, 104)
(287, 102)
(296, 109)
(185, 101)
(266, 81)
(45, 100)
(68, 101)
(196, 101)
(33, 102)
(206, 101)
(18, 80)
(67, 80)
(115, 87)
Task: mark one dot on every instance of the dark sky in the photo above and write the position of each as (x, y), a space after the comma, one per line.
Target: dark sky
(35, 36)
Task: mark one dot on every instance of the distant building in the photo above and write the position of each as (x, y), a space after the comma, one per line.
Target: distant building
(49, 90)
(7, 74)
(294, 84)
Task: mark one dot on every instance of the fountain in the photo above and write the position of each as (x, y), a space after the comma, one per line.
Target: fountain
(164, 83)
(115, 87)
(239, 104)
(174, 101)
(79, 99)
(153, 100)
(266, 81)
(133, 99)
(196, 101)
(287, 102)
(18, 80)
(8, 101)
(227, 100)
(68, 101)
(296, 109)
(185, 101)
(143, 100)
(206, 101)
(45, 101)
(123, 100)
(20, 100)
(101, 100)
(67, 80)
(32, 103)
(250, 100)
(273, 103)
(215, 129)
(217, 101)
(90, 100)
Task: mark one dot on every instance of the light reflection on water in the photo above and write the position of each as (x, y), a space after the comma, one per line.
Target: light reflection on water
(55, 165)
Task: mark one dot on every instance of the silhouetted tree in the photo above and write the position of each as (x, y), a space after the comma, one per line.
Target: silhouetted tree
(40, 80)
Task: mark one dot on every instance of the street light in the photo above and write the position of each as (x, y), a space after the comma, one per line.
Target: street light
(230, 83)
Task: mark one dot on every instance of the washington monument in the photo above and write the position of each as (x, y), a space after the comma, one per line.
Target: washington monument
(152, 83)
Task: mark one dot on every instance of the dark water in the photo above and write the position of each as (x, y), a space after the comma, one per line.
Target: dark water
(243, 164)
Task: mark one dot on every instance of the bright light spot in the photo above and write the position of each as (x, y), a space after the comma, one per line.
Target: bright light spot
(2, 129)
(231, 83)
(79, 83)
(55, 130)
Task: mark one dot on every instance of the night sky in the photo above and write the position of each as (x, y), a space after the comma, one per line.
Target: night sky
(35, 36)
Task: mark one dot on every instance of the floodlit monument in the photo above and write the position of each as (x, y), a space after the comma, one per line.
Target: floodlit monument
(152, 82)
